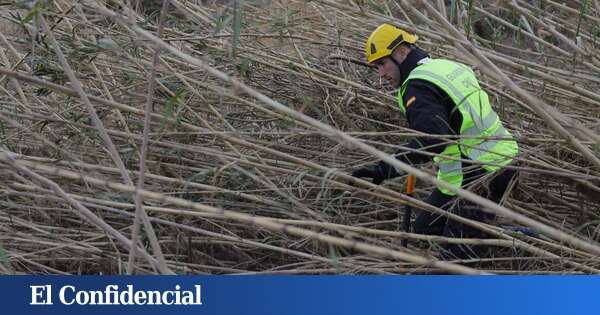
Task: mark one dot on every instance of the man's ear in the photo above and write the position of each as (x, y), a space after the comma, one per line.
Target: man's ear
(402, 51)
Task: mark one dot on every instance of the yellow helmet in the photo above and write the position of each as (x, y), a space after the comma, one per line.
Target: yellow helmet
(384, 40)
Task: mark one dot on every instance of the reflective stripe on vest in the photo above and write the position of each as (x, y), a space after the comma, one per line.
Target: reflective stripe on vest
(449, 167)
(479, 121)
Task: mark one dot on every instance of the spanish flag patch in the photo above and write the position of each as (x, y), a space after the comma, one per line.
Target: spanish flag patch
(410, 101)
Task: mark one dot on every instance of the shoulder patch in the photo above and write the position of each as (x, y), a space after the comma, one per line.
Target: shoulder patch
(410, 101)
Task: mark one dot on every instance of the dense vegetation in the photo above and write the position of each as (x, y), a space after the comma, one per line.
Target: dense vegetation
(219, 135)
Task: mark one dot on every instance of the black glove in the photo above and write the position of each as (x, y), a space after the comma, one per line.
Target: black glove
(378, 172)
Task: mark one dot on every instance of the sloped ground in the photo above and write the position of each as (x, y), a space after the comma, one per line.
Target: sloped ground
(245, 168)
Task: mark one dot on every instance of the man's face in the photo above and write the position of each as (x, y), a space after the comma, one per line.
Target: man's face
(388, 70)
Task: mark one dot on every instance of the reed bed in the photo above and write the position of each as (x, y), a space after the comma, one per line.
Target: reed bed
(216, 137)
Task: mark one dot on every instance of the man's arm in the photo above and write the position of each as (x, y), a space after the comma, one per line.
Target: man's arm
(427, 110)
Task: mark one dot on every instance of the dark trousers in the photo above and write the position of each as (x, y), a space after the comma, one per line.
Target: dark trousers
(434, 224)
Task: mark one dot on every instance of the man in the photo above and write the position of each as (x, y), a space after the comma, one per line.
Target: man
(442, 97)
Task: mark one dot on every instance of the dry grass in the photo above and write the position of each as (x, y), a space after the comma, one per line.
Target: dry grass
(232, 130)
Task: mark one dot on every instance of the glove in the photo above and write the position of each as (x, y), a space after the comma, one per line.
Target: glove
(378, 172)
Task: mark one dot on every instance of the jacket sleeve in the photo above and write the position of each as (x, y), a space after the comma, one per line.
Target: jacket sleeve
(428, 111)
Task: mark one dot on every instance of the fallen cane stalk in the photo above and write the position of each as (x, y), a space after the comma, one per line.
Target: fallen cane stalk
(255, 220)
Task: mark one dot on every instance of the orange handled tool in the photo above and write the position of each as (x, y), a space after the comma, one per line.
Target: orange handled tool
(410, 187)
(410, 184)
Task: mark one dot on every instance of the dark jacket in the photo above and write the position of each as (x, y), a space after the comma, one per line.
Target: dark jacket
(431, 112)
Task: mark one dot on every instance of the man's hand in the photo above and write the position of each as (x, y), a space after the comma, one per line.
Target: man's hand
(371, 171)
(377, 172)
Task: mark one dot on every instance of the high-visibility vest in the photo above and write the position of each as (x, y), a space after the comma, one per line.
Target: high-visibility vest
(480, 128)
